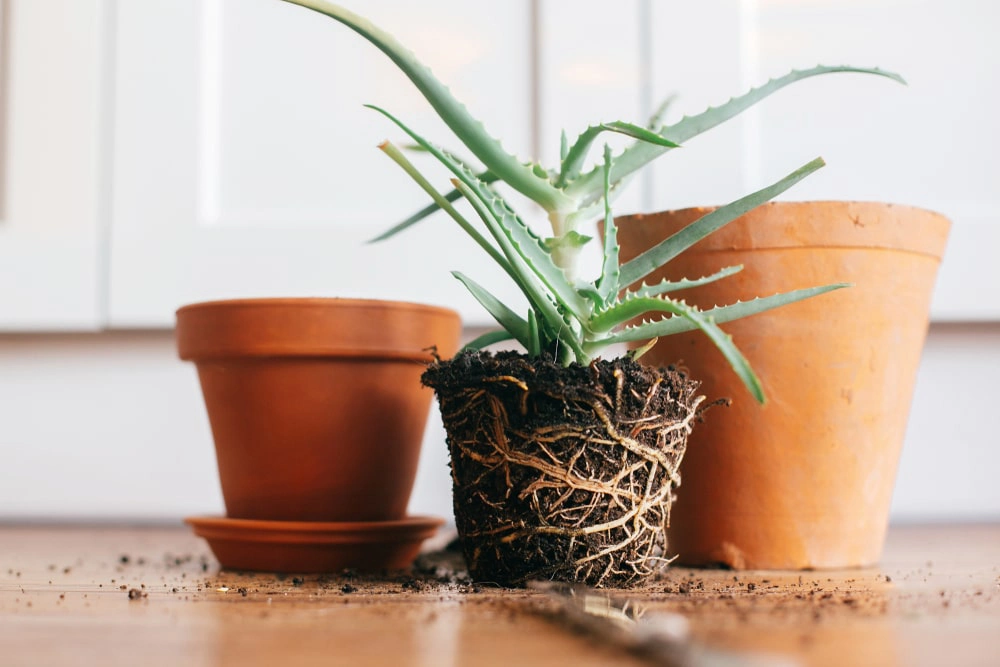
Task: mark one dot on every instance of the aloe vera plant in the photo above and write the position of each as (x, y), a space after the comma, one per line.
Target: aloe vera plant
(571, 319)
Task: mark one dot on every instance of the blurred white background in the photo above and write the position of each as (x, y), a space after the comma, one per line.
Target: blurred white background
(159, 152)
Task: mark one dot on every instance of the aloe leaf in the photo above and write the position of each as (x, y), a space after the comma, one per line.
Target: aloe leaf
(534, 339)
(607, 283)
(542, 301)
(488, 338)
(633, 307)
(510, 260)
(588, 186)
(577, 153)
(504, 316)
(595, 209)
(652, 259)
(638, 352)
(486, 176)
(719, 314)
(572, 239)
(469, 130)
(442, 202)
(563, 146)
(656, 120)
(589, 292)
(527, 244)
(450, 197)
(667, 286)
(529, 248)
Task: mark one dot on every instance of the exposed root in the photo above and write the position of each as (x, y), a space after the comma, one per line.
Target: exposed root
(563, 473)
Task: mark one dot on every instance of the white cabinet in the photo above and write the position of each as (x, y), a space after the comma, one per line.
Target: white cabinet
(158, 152)
(932, 143)
(246, 165)
(53, 132)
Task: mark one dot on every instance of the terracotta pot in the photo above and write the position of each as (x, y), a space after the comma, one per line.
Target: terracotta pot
(316, 405)
(806, 480)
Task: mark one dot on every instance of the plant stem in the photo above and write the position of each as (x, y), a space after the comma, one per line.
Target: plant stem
(564, 256)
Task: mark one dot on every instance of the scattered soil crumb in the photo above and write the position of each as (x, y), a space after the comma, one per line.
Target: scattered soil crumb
(134, 593)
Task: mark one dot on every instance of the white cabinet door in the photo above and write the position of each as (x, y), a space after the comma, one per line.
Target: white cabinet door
(52, 129)
(932, 143)
(246, 165)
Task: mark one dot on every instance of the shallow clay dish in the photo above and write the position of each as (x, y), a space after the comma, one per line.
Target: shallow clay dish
(306, 546)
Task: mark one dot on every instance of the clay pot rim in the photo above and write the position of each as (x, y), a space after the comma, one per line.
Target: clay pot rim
(273, 327)
(318, 301)
(905, 228)
(785, 203)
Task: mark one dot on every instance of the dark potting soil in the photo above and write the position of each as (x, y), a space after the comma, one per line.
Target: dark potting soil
(563, 473)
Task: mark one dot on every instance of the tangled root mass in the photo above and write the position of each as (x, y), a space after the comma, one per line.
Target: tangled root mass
(559, 472)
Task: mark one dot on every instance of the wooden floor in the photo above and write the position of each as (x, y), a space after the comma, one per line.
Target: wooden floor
(134, 596)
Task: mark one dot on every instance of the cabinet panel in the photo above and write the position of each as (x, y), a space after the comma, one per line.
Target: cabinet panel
(932, 143)
(589, 70)
(52, 126)
(697, 54)
(246, 165)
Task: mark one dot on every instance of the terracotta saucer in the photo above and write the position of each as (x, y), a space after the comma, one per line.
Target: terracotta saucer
(307, 546)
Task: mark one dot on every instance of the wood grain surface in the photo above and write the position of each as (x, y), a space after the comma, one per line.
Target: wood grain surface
(111, 595)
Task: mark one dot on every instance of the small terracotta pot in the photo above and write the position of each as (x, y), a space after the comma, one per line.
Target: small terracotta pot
(316, 405)
(806, 480)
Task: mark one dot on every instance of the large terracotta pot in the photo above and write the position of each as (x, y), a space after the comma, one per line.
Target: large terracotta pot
(316, 405)
(806, 480)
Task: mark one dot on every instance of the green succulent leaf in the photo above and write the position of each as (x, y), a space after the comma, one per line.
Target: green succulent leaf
(450, 197)
(568, 320)
(656, 120)
(652, 259)
(588, 187)
(637, 352)
(541, 300)
(608, 282)
(719, 314)
(469, 130)
(524, 243)
(667, 286)
(633, 307)
(441, 201)
(480, 196)
(488, 338)
(534, 346)
(589, 292)
(596, 208)
(577, 153)
(504, 316)
(570, 240)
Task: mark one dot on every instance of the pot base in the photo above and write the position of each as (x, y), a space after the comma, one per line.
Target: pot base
(314, 547)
